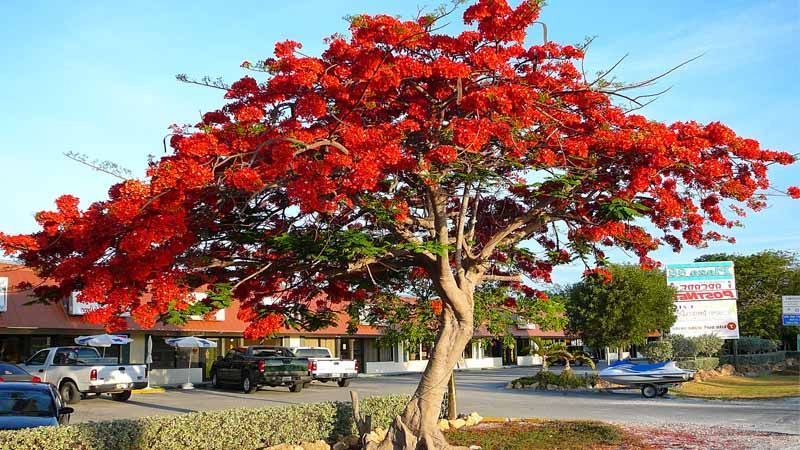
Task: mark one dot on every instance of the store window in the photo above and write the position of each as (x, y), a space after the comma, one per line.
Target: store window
(377, 353)
(523, 346)
(166, 356)
(419, 352)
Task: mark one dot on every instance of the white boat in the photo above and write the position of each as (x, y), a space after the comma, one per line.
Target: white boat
(653, 379)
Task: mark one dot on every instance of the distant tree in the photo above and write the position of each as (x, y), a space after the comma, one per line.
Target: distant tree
(622, 311)
(761, 279)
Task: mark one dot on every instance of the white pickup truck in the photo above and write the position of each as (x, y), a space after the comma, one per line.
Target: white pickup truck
(324, 367)
(76, 371)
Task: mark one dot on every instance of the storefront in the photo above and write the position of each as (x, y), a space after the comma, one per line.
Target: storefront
(26, 328)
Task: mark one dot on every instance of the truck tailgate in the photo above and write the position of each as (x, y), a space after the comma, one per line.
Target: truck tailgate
(120, 374)
(285, 366)
(334, 366)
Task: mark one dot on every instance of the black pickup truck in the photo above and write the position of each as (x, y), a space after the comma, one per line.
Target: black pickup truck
(254, 366)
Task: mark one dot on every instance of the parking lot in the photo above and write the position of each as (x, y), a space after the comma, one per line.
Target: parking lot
(483, 391)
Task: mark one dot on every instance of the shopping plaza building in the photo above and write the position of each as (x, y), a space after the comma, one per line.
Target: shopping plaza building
(27, 326)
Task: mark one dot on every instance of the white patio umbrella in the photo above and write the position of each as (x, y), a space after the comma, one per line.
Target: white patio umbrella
(103, 340)
(190, 342)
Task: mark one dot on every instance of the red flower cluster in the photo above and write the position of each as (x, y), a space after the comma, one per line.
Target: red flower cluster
(316, 184)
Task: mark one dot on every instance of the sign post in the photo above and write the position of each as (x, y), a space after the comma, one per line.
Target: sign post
(705, 301)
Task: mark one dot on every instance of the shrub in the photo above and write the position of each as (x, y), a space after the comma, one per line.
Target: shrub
(232, 429)
(658, 351)
(566, 379)
(708, 344)
(754, 360)
(683, 347)
(698, 363)
(754, 345)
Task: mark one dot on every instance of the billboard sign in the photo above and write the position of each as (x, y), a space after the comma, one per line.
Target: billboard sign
(705, 299)
(791, 310)
(713, 280)
(702, 317)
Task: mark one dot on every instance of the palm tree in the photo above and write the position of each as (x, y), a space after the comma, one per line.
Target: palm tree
(548, 351)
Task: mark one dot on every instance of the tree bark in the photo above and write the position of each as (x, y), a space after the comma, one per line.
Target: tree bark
(417, 427)
(452, 407)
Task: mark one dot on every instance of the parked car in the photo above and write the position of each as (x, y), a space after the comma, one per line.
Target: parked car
(324, 367)
(13, 372)
(28, 405)
(258, 365)
(77, 371)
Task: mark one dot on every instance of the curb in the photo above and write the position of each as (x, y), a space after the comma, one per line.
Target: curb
(150, 390)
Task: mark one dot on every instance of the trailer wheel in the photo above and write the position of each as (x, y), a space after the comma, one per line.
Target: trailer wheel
(69, 393)
(344, 382)
(121, 396)
(649, 391)
(662, 391)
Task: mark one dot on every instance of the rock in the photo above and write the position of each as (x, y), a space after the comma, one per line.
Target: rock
(476, 417)
(444, 425)
(457, 423)
(380, 432)
(511, 386)
(372, 437)
(316, 445)
(341, 445)
(285, 447)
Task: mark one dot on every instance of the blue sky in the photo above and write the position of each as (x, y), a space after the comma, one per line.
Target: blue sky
(98, 78)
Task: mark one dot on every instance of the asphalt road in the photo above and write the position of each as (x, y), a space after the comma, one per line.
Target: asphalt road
(483, 391)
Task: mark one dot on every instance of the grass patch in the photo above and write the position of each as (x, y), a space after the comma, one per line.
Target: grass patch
(733, 387)
(545, 435)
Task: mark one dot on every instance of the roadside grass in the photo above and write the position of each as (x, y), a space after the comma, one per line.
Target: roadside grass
(736, 387)
(543, 435)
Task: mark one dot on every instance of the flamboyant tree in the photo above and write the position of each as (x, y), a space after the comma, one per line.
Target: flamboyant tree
(327, 179)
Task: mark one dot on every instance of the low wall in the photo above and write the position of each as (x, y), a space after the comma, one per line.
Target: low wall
(529, 360)
(418, 366)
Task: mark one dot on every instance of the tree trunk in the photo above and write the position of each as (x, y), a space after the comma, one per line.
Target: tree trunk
(619, 353)
(417, 427)
(452, 407)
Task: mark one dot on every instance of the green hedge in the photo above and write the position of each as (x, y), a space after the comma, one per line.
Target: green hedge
(698, 363)
(754, 360)
(566, 379)
(232, 429)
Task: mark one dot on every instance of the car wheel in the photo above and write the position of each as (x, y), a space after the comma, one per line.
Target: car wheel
(296, 387)
(215, 380)
(344, 382)
(69, 393)
(649, 391)
(248, 387)
(662, 391)
(121, 396)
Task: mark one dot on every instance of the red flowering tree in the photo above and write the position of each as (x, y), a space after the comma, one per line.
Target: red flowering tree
(329, 178)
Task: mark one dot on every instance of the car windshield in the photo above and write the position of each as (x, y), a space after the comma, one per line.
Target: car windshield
(26, 403)
(313, 352)
(11, 369)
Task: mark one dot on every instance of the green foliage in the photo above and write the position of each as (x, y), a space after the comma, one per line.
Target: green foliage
(761, 279)
(754, 345)
(549, 351)
(754, 359)
(566, 379)
(683, 347)
(708, 345)
(233, 429)
(659, 350)
(635, 303)
(698, 363)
